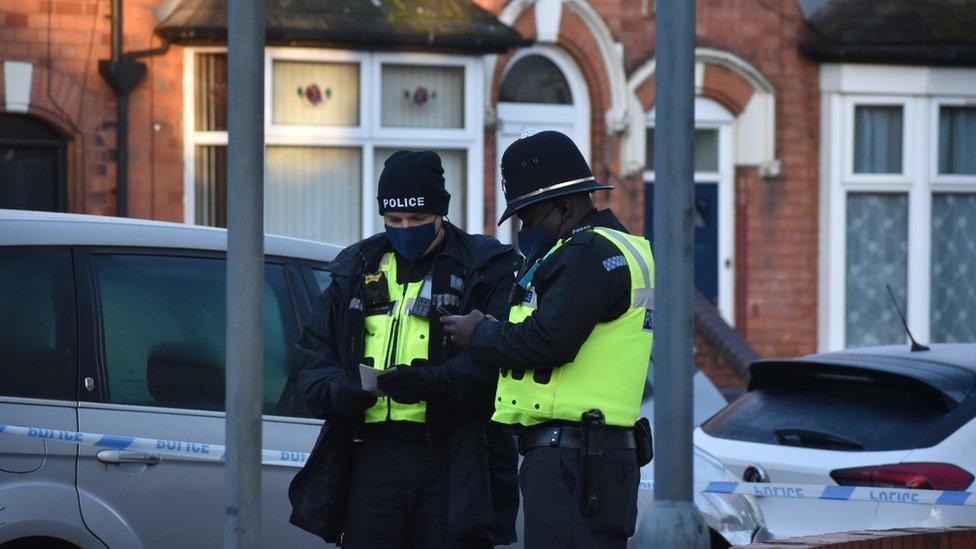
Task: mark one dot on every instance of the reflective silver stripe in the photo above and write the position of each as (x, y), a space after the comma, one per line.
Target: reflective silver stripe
(424, 289)
(644, 297)
(619, 237)
(550, 188)
(385, 260)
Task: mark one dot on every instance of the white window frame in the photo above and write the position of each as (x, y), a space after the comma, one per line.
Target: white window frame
(709, 114)
(368, 136)
(921, 91)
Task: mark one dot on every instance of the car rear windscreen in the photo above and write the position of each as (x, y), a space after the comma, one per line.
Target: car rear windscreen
(838, 409)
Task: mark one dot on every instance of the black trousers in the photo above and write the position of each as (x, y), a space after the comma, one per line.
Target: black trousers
(398, 494)
(551, 496)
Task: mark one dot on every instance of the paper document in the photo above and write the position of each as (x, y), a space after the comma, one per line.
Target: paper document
(369, 376)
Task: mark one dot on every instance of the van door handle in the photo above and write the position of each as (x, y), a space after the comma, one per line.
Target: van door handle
(127, 456)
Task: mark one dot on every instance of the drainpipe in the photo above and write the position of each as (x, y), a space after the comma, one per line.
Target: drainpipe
(123, 74)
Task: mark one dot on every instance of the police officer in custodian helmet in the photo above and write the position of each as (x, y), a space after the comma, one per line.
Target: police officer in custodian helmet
(419, 465)
(574, 353)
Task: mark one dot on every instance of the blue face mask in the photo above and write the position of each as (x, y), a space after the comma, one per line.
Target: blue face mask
(536, 239)
(412, 242)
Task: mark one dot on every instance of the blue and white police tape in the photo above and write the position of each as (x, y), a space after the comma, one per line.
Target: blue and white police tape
(833, 492)
(160, 446)
(286, 458)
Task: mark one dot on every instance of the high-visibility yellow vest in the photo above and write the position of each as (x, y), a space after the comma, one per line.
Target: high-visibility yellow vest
(609, 371)
(397, 338)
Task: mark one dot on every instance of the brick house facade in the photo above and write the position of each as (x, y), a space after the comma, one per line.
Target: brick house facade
(764, 94)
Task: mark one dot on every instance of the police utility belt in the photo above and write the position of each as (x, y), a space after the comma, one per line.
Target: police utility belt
(567, 436)
(592, 433)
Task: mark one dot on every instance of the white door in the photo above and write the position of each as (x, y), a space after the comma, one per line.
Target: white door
(543, 89)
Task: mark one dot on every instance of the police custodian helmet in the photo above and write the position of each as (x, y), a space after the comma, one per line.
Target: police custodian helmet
(543, 166)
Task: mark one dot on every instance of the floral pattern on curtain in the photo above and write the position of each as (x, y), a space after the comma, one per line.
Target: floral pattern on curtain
(877, 254)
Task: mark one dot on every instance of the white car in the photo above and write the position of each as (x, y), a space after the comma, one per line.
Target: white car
(883, 416)
(732, 519)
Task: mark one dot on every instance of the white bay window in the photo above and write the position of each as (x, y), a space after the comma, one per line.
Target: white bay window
(331, 120)
(898, 208)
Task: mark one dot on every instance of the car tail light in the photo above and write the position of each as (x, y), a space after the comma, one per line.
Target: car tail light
(922, 476)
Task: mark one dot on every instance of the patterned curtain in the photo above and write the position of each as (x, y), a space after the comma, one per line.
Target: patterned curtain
(954, 267)
(877, 254)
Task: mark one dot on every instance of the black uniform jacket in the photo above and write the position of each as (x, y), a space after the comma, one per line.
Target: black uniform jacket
(483, 491)
(577, 288)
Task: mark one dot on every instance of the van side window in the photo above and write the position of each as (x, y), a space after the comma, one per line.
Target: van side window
(38, 333)
(163, 325)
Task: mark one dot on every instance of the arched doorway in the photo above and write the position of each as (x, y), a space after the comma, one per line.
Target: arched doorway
(32, 165)
(542, 89)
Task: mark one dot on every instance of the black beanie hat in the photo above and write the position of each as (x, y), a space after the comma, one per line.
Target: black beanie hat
(413, 182)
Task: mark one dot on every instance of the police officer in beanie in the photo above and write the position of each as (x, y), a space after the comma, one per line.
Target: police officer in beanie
(574, 353)
(408, 467)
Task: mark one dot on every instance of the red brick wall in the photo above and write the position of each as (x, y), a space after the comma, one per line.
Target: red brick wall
(64, 40)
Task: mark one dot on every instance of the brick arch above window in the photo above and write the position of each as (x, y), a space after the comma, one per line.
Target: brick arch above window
(735, 84)
(581, 31)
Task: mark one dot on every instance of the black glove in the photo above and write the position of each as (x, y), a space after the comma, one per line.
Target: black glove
(350, 402)
(408, 384)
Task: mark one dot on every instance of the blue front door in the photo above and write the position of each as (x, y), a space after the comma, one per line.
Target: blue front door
(706, 235)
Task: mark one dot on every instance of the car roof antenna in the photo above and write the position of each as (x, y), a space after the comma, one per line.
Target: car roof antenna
(916, 346)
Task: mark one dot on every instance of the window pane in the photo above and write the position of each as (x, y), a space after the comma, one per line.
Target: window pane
(210, 185)
(706, 150)
(314, 193)
(953, 267)
(322, 94)
(210, 92)
(164, 327)
(877, 139)
(38, 355)
(455, 180)
(535, 79)
(877, 254)
(422, 97)
(957, 140)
